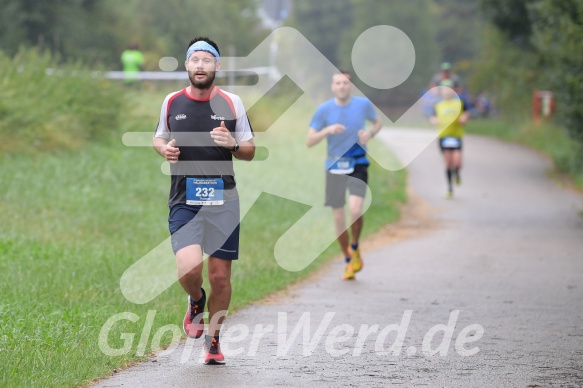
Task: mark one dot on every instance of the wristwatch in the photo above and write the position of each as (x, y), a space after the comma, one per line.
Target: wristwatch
(235, 147)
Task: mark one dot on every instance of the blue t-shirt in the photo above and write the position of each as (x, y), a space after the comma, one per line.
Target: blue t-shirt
(353, 116)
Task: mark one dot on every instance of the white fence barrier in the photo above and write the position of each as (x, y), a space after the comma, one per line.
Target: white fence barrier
(175, 75)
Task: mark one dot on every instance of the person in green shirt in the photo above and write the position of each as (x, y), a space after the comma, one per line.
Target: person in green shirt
(132, 60)
(450, 116)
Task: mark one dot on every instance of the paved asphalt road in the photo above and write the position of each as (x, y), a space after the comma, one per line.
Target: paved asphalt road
(492, 296)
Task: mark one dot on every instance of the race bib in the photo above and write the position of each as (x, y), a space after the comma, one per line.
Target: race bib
(204, 191)
(450, 142)
(342, 166)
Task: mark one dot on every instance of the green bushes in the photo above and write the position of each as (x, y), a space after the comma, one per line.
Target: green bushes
(530, 45)
(51, 112)
(539, 45)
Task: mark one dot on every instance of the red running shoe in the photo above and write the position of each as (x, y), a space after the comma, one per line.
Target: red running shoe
(193, 323)
(213, 354)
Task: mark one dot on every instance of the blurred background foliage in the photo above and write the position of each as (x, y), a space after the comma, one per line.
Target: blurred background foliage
(505, 48)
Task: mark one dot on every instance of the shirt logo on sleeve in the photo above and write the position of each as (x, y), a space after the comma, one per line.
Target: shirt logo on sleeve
(180, 117)
(215, 117)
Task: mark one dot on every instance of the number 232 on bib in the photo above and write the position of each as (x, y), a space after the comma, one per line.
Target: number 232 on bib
(204, 191)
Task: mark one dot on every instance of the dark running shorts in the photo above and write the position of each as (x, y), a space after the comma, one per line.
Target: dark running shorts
(444, 146)
(336, 185)
(214, 228)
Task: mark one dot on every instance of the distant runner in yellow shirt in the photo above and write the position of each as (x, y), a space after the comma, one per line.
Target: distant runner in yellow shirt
(451, 109)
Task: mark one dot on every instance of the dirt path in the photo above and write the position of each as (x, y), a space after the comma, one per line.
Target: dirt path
(491, 282)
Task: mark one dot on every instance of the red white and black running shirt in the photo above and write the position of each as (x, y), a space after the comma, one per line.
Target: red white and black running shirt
(190, 122)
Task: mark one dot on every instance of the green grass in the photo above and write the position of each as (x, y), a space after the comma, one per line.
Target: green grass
(40, 112)
(547, 138)
(74, 221)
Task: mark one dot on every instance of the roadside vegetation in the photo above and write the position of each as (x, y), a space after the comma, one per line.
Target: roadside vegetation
(41, 113)
(530, 45)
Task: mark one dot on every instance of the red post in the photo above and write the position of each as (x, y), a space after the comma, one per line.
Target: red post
(536, 107)
(543, 105)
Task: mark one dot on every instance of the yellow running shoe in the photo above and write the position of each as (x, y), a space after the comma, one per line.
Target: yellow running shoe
(449, 195)
(356, 261)
(348, 272)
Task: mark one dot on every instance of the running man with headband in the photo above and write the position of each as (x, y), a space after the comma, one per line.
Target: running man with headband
(201, 128)
(341, 121)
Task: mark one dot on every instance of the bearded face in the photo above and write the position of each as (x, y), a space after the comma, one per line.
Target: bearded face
(202, 68)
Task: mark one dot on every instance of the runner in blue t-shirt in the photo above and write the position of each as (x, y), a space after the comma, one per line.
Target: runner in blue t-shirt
(342, 121)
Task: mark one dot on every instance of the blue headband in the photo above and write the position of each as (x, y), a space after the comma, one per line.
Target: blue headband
(201, 45)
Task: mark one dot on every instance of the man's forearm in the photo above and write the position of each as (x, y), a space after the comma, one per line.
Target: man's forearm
(160, 145)
(314, 137)
(246, 151)
(376, 127)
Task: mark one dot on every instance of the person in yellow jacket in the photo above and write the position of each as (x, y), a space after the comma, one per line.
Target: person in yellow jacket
(450, 116)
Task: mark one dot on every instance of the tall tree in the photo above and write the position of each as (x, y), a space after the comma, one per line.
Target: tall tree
(557, 31)
(543, 44)
(333, 26)
(324, 23)
(96, 31)
(511, 17)
(414, 19)
(12, 28)
(175, 22)
(458, 24)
